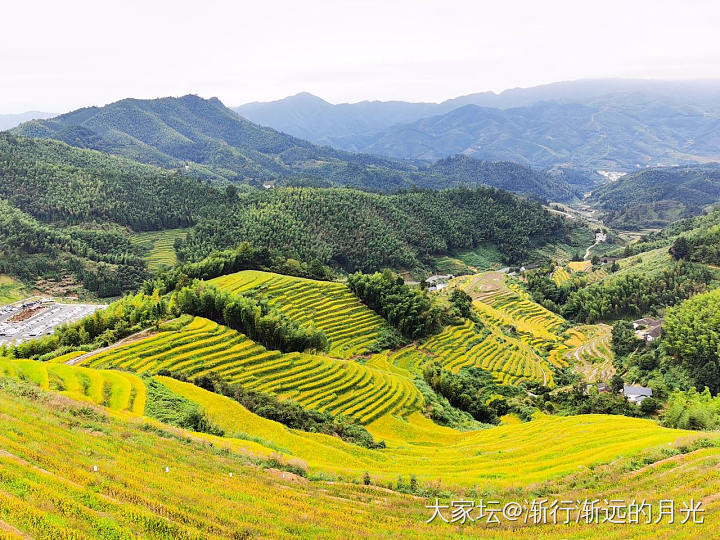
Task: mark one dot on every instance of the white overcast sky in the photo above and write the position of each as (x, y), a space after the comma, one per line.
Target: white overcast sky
(57, 55)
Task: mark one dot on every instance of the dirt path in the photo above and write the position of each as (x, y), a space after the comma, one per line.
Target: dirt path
(125, 341)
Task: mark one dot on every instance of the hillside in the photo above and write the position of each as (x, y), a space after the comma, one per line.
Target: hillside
(312, 118)
(67, 214)
(158, 481)
(9, 121)
(508, 176)
(75, 212)
(206, 138)
(658, 196)
(364, 231)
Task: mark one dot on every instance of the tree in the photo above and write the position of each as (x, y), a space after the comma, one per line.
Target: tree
(230, 192)
(617, 383)
(680, 249)
(623, 338)
(649, 406)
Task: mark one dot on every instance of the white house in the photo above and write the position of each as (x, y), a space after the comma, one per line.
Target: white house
(636, 394)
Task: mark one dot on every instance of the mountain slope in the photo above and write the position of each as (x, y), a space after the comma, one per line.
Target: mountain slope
(656, 197)
(208, 139)
(504, 175)
(312, 118)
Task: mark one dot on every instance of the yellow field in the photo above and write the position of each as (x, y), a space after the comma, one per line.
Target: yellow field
(114, 389)
(531, 335)
(560, 276)
(351, 327)
(48, 488)
(509, 359)
(160, 246)
(315, 381)
(503, 456)
(580, 266)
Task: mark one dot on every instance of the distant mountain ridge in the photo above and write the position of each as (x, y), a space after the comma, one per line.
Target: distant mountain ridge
(205, 138)
(9, 121)
(591, 124)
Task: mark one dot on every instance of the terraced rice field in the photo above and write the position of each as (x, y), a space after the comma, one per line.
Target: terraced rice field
(580, 266)
(492, 290)
(591, 351)
(175, 484)
(160, 246)
(509, 359)
(527, 329)
(500, 457)
(560, 276)
(113, 389)
(351, 327)
(342, 387)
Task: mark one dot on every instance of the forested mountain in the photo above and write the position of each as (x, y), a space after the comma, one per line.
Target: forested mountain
(204, 138)
(658, 196)
(506, 175)
(364, 231)
(66, 213)
(57, 183)
(314, 119)
(59, 200)
(596, 124)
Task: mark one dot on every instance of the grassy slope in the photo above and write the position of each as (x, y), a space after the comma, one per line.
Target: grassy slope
(48, 489)
(11, 290)
(160, 246)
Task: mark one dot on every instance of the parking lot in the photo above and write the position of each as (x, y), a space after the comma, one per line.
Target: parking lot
(39, 318)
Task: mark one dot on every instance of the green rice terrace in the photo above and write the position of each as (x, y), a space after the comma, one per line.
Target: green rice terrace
(351, 328)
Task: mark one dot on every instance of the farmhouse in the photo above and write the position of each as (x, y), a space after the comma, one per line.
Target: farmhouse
(648, 329)
(636, 394)
(438, 282)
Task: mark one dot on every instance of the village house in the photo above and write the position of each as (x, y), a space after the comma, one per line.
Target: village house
(637, 394)
(648, 329)
(438, 282)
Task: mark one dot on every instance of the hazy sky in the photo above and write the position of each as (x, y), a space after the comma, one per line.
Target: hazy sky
(59, 55)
